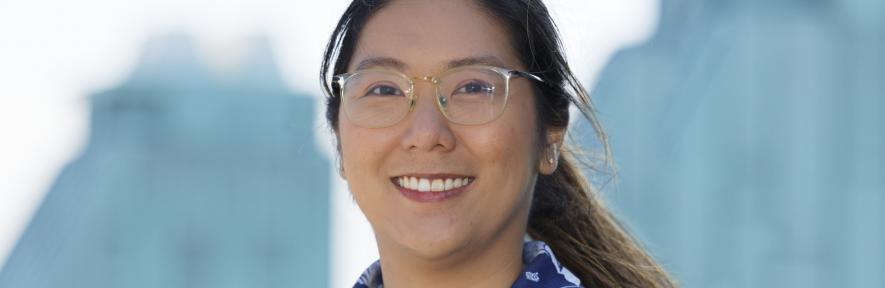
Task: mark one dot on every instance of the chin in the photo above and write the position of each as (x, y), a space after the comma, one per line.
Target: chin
(436, 244)
(437, 250)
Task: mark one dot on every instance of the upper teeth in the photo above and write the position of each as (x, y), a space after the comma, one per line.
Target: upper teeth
(428, 185)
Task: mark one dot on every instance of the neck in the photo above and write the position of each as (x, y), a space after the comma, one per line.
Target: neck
(496, 265)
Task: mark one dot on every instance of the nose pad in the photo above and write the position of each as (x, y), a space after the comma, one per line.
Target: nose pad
(443, 101)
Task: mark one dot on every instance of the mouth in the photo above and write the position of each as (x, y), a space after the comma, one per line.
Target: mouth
(432, 188)
(431, 183)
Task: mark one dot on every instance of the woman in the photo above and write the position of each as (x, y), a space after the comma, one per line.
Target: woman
(450, 118)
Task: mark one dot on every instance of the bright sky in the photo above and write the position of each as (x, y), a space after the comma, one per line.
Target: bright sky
(53, 54)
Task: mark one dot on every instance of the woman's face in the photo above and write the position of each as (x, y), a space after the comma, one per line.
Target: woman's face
(500, 158)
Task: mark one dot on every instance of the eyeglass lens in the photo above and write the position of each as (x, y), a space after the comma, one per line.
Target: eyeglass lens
(467, 96)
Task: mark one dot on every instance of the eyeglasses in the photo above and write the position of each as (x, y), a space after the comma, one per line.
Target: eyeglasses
(467, 95)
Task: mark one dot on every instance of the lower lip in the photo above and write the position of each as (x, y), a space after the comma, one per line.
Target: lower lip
(431, 197)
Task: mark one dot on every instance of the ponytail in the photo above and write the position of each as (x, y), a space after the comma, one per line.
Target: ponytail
(571, 218)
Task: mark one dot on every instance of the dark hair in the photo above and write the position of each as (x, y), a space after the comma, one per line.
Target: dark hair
(566, 212)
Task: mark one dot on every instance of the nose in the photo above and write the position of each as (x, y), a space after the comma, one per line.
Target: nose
(428, 129)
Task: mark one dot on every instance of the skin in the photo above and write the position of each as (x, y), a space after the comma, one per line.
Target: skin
(475, 238)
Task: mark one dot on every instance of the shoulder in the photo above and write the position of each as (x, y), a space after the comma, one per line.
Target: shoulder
(371, 278)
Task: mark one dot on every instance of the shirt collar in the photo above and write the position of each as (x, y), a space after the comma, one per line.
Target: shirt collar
(542, 270)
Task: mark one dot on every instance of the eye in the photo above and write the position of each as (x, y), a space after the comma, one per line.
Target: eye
(475, 86)
(384, 90)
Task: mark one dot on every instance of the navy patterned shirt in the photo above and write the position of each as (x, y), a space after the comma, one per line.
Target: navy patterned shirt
(541, 271)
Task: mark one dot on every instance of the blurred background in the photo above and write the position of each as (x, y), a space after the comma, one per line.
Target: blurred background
(181, 143)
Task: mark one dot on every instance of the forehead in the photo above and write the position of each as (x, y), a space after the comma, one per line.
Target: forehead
(427, 36)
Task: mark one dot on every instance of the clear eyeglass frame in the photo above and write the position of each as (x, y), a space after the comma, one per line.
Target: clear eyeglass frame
(506, 74)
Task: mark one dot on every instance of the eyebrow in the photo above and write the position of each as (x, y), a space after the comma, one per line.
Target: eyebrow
(394, 63)
(373, 62)
(479, 60)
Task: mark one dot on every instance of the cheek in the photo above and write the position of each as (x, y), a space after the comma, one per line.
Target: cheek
(362, 152)
(361, 159)
(508, 147)
(505, 146)
(506, 152)
(519, 131)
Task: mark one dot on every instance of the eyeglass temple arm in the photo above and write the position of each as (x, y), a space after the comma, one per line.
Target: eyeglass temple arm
(527, 75)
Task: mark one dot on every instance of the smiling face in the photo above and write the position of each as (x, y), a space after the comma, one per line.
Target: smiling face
(495, 163)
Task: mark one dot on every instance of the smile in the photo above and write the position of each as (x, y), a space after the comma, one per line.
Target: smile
(434, 184)
(431, 188)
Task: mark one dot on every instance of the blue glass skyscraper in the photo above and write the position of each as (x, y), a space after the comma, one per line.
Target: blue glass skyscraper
(187, 180)
(749, 137)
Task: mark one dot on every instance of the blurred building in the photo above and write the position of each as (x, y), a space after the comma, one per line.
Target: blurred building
(750, 141)
(188, 180)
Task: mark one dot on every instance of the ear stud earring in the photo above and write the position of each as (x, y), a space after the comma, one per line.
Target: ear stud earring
(554, 153)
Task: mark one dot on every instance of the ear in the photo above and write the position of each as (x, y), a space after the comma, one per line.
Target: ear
(341, 172)
(549, 157)
(339, 159)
